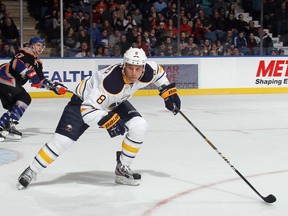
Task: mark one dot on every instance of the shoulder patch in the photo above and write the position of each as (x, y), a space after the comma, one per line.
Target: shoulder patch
(148, 74)
(113, 83)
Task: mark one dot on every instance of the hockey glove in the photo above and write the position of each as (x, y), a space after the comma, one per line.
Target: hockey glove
(113, 124)
(32, 75)
(57, 87)
(171, 98)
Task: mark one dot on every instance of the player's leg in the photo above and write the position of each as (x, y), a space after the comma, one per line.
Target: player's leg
(137, 129)
(16, 100)
(69, 129)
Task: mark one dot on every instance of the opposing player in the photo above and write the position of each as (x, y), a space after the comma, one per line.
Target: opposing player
(102, 99)
(24, 66)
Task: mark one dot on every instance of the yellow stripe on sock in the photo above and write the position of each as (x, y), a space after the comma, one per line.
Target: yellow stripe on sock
(45, 157)
(129, 148)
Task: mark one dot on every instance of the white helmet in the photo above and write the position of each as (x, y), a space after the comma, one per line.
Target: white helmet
(135, 56)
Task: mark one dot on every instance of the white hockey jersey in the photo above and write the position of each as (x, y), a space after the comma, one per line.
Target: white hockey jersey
(109, 87)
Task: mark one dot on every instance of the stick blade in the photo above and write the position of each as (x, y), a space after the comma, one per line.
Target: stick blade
(270, 198)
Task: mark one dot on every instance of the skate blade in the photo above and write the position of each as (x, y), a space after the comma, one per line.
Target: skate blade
(124, 181)
(20, 186)
(13, 136)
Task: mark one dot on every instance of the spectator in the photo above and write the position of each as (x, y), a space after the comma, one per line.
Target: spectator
(10, 33)
(240, 41)
(85, 22)
(251, 28)
(219, 5)
(101, 5)
(281, 52)
(228, 39)
(269, 8)
(171, 30)
(116, 51)
(2, 10)
(6, 15)
(273, 52)
(106, 52)
(68, 12)
(122, 13)
(141, 43)
(281, 19)
(183, 39)
(137, 16)
(145, 7)
(153, 12)
(230, 23)
(184, 26)
(251, 41)
(116, 22)
(83, 36)
(149, 22)
(199, 31)
(84, 51)
(104, 38)
(99, 51)
(267, 41)
(114, 38)
(205, 21)
(71, 45)
(6, 52)
(107, 26)
(123, 44)
(159, 5)
(228, 51)
(96, 36)
(217, 26)
(231, 9)
(114, 5)
(206, 47)
(132, 35)
(161, 49)
(153, 41)
(189, 49)
(236, 52)
(128, 23)
(205, 5)
(242, 25)
(66, 25)
(56, 26)
(74, 21)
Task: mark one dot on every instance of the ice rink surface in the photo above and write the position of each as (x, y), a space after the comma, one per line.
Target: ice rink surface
(181, 174)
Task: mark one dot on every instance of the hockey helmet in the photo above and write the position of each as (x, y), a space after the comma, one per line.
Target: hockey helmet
(135, 56)
(36, 40)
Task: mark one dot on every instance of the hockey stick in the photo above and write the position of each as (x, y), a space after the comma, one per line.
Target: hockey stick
(66, 89)
(269, 199)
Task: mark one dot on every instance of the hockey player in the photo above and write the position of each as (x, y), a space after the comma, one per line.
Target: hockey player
(24, 66)
(102, 99)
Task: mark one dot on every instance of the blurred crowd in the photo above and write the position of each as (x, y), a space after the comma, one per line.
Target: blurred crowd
(207, 27)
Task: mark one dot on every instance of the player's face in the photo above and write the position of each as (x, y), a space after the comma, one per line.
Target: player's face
(133, 72)
(38, 48)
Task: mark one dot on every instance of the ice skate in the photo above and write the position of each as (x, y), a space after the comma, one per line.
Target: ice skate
(3, 134)
(12, 131)
(124, 175)
(26, 177)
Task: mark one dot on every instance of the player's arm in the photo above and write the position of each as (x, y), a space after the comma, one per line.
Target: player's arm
(26, 72)
(171, 98)
(167, 90)
(93, 113)
(57, 87)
